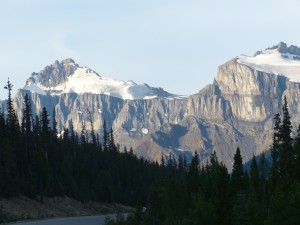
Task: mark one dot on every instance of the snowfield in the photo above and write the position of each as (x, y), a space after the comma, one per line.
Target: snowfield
(85, 80)
(273, 62)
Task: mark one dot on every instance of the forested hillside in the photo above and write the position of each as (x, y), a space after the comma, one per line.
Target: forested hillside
(38, 161)
(268, 193)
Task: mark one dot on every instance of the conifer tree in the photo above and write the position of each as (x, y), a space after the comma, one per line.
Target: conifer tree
(282, 148)
(297, 154)
(181, 163)
(254, 175)
(83, 138)
(112, 145)
(237, 175)
(93, 136)
(45, 129)
(45, 133)
(11, 113)
(162, 160)
(10, 159)
(105, 136)
(193, 176)
(54, 124)
(27, 153)
(264, 169)
(277, 138)
(286, 130)
(27, 115)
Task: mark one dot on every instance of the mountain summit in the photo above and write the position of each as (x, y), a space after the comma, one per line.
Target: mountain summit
(278, 60)
(68, 77)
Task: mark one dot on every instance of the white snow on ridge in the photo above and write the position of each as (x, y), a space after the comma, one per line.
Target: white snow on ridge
(36, 88)
(274, 62)
(85, 80)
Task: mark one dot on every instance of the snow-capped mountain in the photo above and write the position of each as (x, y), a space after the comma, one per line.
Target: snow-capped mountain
(279, 60)
(236, 110)
(67, 77)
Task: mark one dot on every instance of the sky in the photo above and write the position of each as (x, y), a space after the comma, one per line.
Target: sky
(174, 44)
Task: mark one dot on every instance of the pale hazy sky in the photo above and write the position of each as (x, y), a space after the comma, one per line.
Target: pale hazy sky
(174, 44)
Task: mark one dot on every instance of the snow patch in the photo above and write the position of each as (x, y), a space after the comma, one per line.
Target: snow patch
(145, 131)
(150, 97)
(36, 88)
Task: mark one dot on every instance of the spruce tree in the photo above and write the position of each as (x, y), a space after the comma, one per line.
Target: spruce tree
(193, 176)
(45, 133)
(45, 123)
(12, 122)
(286, 130)
(264, 169)
(297, 155)
(26, 155)
(112, 145)
(237, 175)
(277, 139)
(83, 138)
(105, 136)
(93, 136)
(162, 160)
(54, 124)
(282, 149)
(254, 175)
(11, 159)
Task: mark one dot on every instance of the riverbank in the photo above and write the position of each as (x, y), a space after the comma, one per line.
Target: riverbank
(23, 208)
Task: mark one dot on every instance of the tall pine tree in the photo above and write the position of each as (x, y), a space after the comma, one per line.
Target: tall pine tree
(237, 176)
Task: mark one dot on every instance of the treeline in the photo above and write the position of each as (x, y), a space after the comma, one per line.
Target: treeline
(268, 193)
(35, 161)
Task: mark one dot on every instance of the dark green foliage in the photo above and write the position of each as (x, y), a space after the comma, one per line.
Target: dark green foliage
(283, 152)
(277, 139)
(34, 161)
(286, 130)
(285, 207)
(238, 175)
(193, 176)
(254, 176)
(268, 194)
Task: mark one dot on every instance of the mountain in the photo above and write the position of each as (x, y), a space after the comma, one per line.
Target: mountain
(68, 77)
(236, 110)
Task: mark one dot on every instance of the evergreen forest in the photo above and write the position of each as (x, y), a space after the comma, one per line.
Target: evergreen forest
(38, 161)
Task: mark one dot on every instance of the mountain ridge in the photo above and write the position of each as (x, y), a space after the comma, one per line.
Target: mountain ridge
(68, 77)
(236, 110)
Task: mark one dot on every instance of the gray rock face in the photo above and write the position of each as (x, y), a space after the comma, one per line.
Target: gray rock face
(236, 110)
(283, 48)
(55, 74)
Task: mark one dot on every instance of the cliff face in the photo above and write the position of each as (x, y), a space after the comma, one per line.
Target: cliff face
(236, 110)
(253, 95)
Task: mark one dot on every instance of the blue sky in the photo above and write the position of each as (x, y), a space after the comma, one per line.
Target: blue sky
(174, 44)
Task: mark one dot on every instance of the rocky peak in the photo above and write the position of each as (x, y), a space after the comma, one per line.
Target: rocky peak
(69, 61)
(68, 77)
(54, 74)
(283, 48)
